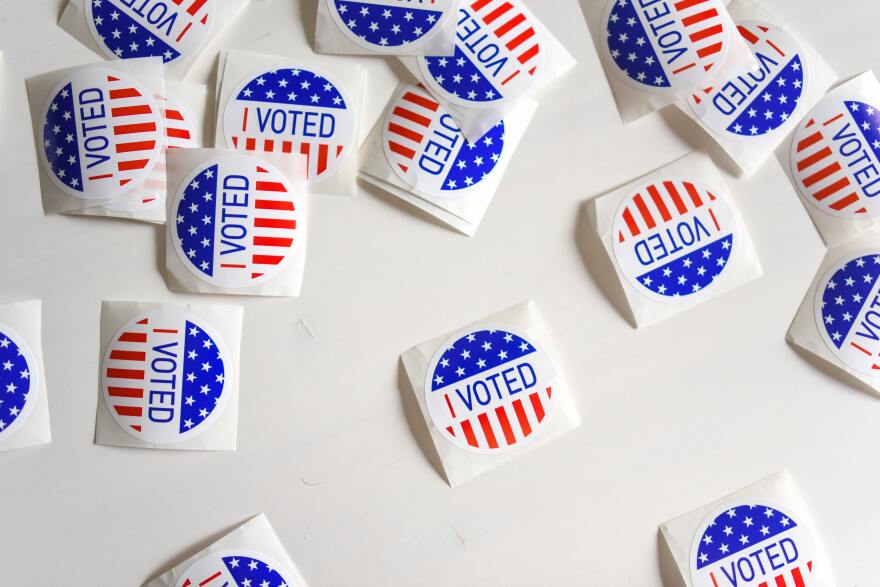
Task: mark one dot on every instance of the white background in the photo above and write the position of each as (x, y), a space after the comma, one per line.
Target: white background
(674, 416)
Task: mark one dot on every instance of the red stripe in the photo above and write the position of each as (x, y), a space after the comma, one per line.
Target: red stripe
(832, 120)
(125, 373)
(630, 222)
(244, 119)
(706, 51)
(694, 194)
(747, 34)
(492, 16)
(233, 265)
(798, 578)
(270, 186)
(814, 158)
(125, 392)
(658, 201)
(528, 55)
(250, 144)
(832, 189)
(124, 93)
(268, 145)
(861, 348)
(487, 430)
(287, 147)
(194, 7)
(469, 432)
(131, 110)
(707, 32)
(128, 411)
(102, 176)
(172, 115)
(479, 4)
(449, 405)
(521, 416)
(520, 38)
(184, 31)
(273, 223)
(120, 355)
(405, 132)
(676, 198)
(412, 116)
(809, 141)
(133, 337)
(822, 174)
(135, 146)
(699, 17)
(127, 129)
(537, 406)
(272, 241)
(401, 150)
(509, 436)
(683, 4)
(166, 330)
(780, 581)
(421, 101)
(510, 25)
(273, 205)
(714, 220)
(322, 158)
(177, 133)
(267, 259)
(684, 68)
(778, 50)
(130, 165)
(844, 202)
(643, 210)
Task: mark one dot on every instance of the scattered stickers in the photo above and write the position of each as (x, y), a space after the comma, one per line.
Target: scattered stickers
(752, 545)
(236, 568)
(235, 221)
(426, 149)
(490, 391)
(498, 55)
(170, 29)
(666, 46)
(757, 102)
(19, 381)
(835, 157)
(164, 376)
(673, 238)
(293, 110)
(390, 25)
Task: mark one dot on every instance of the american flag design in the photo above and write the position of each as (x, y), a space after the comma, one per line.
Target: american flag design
(102, 134)
(164, 376)
(835, 157)
(673, 238)
(426, 149)
(170, 29)
(19, 381)
(236, 568)
(757, 102)
(664, 46)
(752, 545)
(490, 390)
(235, 221)
(498, 55)
(296, 110)
(390, 26)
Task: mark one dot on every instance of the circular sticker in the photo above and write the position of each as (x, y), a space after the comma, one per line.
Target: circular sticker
(19, 381)
(664, 47)
(752, 545)
(170, 29)
(102, 134)
(498, 55)
(236, 568)
(164, 376)
(293, 110)
(389, 26)
(673, 238)
(426, 149)
(236, 218)
(835, 157)
(490, 391)
(756, 102)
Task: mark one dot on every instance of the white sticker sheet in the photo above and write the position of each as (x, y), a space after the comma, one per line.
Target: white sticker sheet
(759, 536)
(491, 391)
(675, 238)
(24, 405)
(169, 376)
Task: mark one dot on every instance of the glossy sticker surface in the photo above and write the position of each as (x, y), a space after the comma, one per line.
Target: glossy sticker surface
(19, 381)
(390, 26)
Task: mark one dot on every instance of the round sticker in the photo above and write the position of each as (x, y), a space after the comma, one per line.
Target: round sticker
(19, 381)
(125, 29)
(389, 26)
(835, 157)
(236, 219)
(102, 134)
(294, 110)
(490, 391)
(752, 545)
(498, 55)
(164, 376)
(663, 46)
(236, 568)
(673, 238)
(756, 102)
(426, 149)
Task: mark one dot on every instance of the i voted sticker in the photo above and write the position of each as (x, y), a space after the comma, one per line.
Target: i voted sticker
(390, 26)
(235, 221)
(498, 55)
(673, 238)
(102, 134)
(752, 545)
(19, 381)
(236, 568)
(165, 376)
(835, 157)
(170, 29)
(665, 46)
(293, 110)
(491, 391)
(426, 149)
(757, 102)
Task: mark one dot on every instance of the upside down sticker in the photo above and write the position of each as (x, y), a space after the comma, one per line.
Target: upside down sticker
(236, 568)
(390, 25)
(19, 381)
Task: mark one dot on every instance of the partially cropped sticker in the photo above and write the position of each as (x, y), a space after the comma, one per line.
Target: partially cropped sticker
(758, 102)
(752, 545)
(665, 46)
(235, 221)
(673, 238)
(835, 157)
(170, 29)
(102, 134)
(165, 376)
(19, 381)
(293, 110)
(426, 149)
(498, 55)
(390, 25)
(236, 568)
(490, 391)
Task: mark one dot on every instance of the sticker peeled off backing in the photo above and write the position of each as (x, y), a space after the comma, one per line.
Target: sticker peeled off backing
(673, 238)
(490, 391)
(236, 568)
(165, 376)
(390, 25)
(19, 381)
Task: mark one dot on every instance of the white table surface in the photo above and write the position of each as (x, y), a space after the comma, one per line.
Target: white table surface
(673, 416)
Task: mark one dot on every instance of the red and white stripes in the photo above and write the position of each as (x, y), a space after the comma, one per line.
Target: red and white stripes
(136, 129)
(125, 372)
(504, 425)
(820, 174)
(704, 26)
(407, 125)
(659, 203)
(513, 29)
